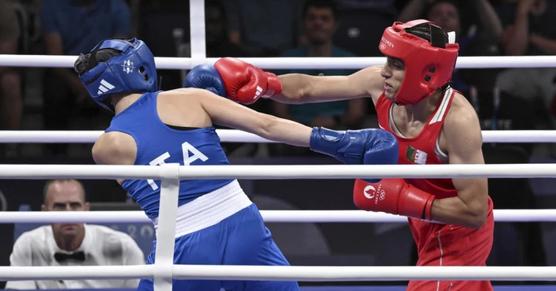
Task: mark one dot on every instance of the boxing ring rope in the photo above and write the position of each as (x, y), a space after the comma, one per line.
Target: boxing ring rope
(269, 216)
(164, 270)
(49, 61)
(280, 172)
(283, 273)
(233, 135)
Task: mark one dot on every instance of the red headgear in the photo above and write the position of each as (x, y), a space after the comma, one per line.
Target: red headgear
(427, 68)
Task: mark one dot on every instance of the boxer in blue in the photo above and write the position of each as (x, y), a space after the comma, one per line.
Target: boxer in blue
(216, 222)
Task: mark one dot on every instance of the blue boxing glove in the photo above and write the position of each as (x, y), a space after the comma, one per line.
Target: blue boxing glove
(205, 77)
(364, 146)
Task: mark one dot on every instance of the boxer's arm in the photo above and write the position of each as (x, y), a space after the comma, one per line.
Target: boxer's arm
(301, 88)
(463, 142)
(245, 83)
(227, 113)
(346, 146)
(114, 148)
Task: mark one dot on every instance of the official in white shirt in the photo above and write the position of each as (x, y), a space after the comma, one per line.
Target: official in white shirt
(72, 244)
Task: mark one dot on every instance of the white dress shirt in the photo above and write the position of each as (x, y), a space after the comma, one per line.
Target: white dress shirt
(101, 245)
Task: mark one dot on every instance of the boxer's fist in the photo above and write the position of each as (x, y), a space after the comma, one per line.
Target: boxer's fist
(205, 77)
(374, 146)
(246, 83)
(393, 196)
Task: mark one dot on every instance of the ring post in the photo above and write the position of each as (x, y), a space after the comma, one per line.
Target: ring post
(166, 227)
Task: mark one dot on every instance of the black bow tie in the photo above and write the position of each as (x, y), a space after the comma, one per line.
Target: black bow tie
(77, 256)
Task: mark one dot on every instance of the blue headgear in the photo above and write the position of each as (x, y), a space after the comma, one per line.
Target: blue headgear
(131, 71)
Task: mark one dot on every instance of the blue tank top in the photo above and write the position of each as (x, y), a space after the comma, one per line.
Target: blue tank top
(157, 143)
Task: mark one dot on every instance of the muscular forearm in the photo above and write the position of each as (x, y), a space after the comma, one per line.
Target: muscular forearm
(301, 88)
(295, 88)
(454, 210)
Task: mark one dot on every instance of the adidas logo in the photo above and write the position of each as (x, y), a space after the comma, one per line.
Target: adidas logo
(104, 87)
(258, 92)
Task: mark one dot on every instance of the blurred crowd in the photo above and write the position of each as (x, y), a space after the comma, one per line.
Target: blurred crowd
(53, 99)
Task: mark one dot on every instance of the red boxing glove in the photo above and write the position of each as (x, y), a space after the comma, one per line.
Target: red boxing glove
(246, 83)
(393, 196)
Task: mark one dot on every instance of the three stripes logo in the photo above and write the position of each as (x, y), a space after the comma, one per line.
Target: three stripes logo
(104, 87)
(258, 92)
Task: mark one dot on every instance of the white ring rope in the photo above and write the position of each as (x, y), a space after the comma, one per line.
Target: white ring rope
(269, 216)
(77, 272)
(49, 61)
(170, 173)
(269, 172)
(233, 135)
(90, 136)
(284, 273)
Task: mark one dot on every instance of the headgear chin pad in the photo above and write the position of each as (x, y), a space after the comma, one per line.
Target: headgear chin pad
(427, 68)
(131, 71)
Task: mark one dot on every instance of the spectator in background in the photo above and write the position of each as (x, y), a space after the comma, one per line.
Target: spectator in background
(361, 26)
(70, 27)
(319, 25)
(381, 5)
(11, 100)
(529, 30)
(474, 38)
(218, 40)
(319, 20)
(72, 244)
(528, 27)
(449, 15)
(263, 28)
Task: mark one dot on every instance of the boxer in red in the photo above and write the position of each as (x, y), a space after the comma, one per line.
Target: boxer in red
(450, 219)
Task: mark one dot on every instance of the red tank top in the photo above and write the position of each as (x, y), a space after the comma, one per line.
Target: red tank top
(423, 148)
